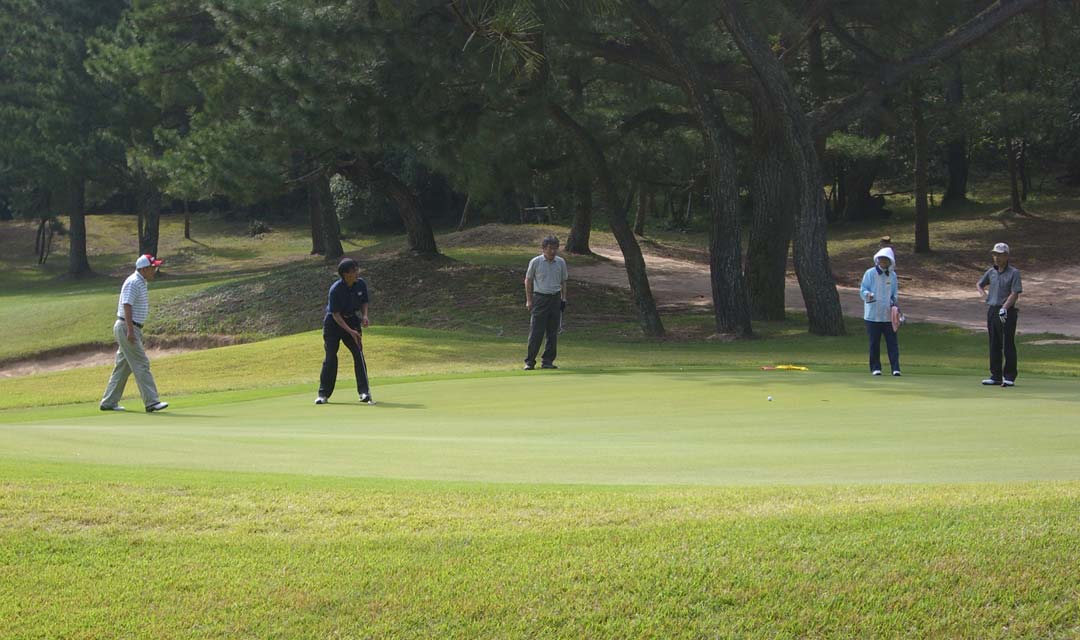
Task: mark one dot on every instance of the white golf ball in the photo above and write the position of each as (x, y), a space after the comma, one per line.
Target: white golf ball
(770, 398)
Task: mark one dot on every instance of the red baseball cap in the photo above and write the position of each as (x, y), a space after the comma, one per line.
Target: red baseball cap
(147, 260)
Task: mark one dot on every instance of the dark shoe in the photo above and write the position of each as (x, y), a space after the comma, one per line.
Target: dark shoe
(157, 406)
(366, 398)
(1008, 383)
(548, 365)
(113, 408)
(991, 382)
(321, 400)
(529, 367)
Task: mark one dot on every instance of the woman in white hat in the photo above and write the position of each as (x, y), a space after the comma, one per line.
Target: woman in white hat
(878, 292)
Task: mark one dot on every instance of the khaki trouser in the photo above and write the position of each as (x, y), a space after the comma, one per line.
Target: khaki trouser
(130, 358)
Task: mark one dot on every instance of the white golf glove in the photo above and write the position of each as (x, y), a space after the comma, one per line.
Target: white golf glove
(1003, 313)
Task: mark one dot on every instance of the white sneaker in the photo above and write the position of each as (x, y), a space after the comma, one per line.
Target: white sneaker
(366, 398)
(1008, 383)
(157, 406)
(113, 408)
(896, 373)
(321, 400)
(991, 382)
(876, 372)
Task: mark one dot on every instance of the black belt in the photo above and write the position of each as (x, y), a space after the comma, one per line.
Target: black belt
(137, 324)
(546, 294)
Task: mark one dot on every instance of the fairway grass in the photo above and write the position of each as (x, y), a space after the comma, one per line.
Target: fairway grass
(691, 426)
(96, 551)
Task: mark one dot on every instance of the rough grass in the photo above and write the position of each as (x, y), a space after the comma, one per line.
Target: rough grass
(88, 552)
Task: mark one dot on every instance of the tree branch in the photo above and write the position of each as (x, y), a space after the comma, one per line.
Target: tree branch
(810, 18)
(838, 113)
(863, 53)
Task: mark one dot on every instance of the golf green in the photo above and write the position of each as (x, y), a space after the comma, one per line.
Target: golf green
(607, 427)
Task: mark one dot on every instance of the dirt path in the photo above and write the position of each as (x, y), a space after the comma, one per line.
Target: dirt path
(1050, 303)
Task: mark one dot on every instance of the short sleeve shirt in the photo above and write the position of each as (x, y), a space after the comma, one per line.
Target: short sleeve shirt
(347, 300)
(1000, 284)
(136, 293)
(547, 276)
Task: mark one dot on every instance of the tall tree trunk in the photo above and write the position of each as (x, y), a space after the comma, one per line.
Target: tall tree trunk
(150, 210)
(956, 153)
(922, 171)
(774, 216)
(642, 210)
(1010, 146)
(1016, 205)
(840, 180)
(859, 202)
(731, 299)
(315, 220)
(421, 238)
(819, 86)
(39, 237)
(46, 245)
(581, 228)
(465, 213)
(811, 251)
(78, 263)
(651, 325)
(187, 220)
(1021, 167)
(324, 201)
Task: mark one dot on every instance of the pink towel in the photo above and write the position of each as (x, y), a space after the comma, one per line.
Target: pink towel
(897, 318)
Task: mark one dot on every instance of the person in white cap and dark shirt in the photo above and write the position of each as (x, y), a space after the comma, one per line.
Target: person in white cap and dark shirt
(1000, 287)
(131, 313)
(878, 291)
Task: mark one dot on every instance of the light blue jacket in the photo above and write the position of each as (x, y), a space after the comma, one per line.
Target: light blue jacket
(883, 285)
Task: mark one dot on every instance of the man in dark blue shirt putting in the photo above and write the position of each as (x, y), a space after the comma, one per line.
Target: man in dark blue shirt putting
(346, 313)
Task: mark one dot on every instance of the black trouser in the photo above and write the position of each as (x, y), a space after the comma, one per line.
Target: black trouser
(544, 321)
(1002, 339)
(875, 330)
(333, 337)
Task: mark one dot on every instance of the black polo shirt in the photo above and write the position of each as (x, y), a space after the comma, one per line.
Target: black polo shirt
(346, 300)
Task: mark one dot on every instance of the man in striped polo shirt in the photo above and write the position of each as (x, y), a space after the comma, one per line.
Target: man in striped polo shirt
(545, 298)
(131, 313)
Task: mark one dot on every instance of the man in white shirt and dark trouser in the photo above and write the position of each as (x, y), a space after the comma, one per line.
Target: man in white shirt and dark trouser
(545, 298)
(131, 313)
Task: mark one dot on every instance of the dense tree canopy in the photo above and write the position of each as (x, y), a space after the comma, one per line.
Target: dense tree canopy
(758, 122)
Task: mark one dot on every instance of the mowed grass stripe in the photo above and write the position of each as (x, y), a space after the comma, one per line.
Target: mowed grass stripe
(637, 427)
(185, 554)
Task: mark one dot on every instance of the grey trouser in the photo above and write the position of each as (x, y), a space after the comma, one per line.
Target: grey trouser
(544, 324)
(130, 358)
